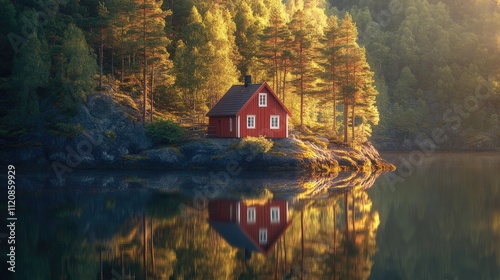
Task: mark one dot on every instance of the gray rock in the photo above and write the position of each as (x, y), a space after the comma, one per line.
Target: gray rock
(165, 156)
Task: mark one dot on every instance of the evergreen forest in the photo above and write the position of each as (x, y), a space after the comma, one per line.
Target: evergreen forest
(397, 72)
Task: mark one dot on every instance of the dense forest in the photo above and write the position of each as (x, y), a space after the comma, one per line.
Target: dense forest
(420, 69)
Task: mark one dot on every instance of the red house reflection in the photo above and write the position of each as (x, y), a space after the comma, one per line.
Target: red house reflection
(249, 225)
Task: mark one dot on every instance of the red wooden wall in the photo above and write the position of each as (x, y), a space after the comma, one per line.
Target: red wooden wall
(263, 117)
(221, 125)
(263, 220)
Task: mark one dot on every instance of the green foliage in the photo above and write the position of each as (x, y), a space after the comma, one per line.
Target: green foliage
(80, 64)
(30, 72)
(257, 145)
(166, 132)
(423, 58)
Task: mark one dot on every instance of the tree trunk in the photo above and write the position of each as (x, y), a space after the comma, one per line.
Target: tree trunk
(346, 117)
(144, 76)
(152, 89)
(101, 59)
(353, 117)
(334, 109)
(284, 80)
(302, 241)
(145, 256)
(123, 69)
(346, 206)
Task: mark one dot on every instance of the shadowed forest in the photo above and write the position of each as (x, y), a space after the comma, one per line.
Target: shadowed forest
(398, 71)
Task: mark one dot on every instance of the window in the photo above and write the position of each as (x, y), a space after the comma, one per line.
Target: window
(262, 99)
(275, 214)
(251, 215)
(250, 121)
(230, 124)
(262, 236)
(275, 122)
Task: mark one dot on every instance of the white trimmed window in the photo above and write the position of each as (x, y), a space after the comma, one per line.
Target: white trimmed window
(275, 122)
(262, 99)
(251, 121)
(275, 214)
(263, 236)
(251, 215)
(230, 124)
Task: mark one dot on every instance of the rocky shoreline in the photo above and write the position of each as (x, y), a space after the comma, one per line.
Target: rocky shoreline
(108, 136)
(212, 154)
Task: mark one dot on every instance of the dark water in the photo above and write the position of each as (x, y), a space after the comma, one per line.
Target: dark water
(436, 220)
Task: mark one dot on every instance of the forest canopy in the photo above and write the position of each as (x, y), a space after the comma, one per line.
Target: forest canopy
(417, 68)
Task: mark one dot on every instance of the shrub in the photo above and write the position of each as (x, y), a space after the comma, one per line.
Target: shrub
(258, 145)
(166, 132)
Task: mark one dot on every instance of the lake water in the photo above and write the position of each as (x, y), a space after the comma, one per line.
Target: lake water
(439, 219)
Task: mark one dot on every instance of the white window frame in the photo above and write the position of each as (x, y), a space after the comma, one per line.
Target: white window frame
(263, 236)
(251, 215)
(264, 95)
(230, 124)
(277, 211)
(277, 117)
(254, 121)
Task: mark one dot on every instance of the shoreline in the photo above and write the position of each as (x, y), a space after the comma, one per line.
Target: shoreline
(212, 154)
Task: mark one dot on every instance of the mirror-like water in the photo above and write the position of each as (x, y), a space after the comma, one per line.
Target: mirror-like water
(438, 220)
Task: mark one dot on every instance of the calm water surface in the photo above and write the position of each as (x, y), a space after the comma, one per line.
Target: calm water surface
(437, 220)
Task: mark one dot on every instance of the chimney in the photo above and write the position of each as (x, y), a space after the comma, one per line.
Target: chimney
(248, 80)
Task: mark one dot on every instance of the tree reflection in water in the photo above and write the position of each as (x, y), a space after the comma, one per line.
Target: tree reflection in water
(327, 231)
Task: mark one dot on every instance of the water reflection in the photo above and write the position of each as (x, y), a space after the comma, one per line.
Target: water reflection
(304, 228)
(251, 225)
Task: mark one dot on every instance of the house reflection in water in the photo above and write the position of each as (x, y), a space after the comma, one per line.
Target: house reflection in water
(254, 226)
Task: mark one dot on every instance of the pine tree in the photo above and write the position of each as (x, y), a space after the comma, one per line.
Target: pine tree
(222, 49)
(151, 23)
(30, 72)
(303, 50)
(276, 39)
(191, 62)
(248, 29)
(80, 64)
(330, 60)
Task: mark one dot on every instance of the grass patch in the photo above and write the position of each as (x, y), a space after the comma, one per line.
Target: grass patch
(257, 145)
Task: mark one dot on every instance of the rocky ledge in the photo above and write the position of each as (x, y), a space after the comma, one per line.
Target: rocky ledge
(284, 155)
(106, 134)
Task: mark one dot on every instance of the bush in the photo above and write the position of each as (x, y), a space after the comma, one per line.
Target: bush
(258, 145)
(166, 132)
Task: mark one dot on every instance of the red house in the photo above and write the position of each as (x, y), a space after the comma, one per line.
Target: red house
(255, 227)
(249, 110)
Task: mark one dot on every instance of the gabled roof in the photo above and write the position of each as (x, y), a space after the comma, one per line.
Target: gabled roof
(236, 98)
(235, 236)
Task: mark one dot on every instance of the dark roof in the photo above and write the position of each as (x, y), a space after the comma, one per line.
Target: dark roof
(234, 100)
(235, 236)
